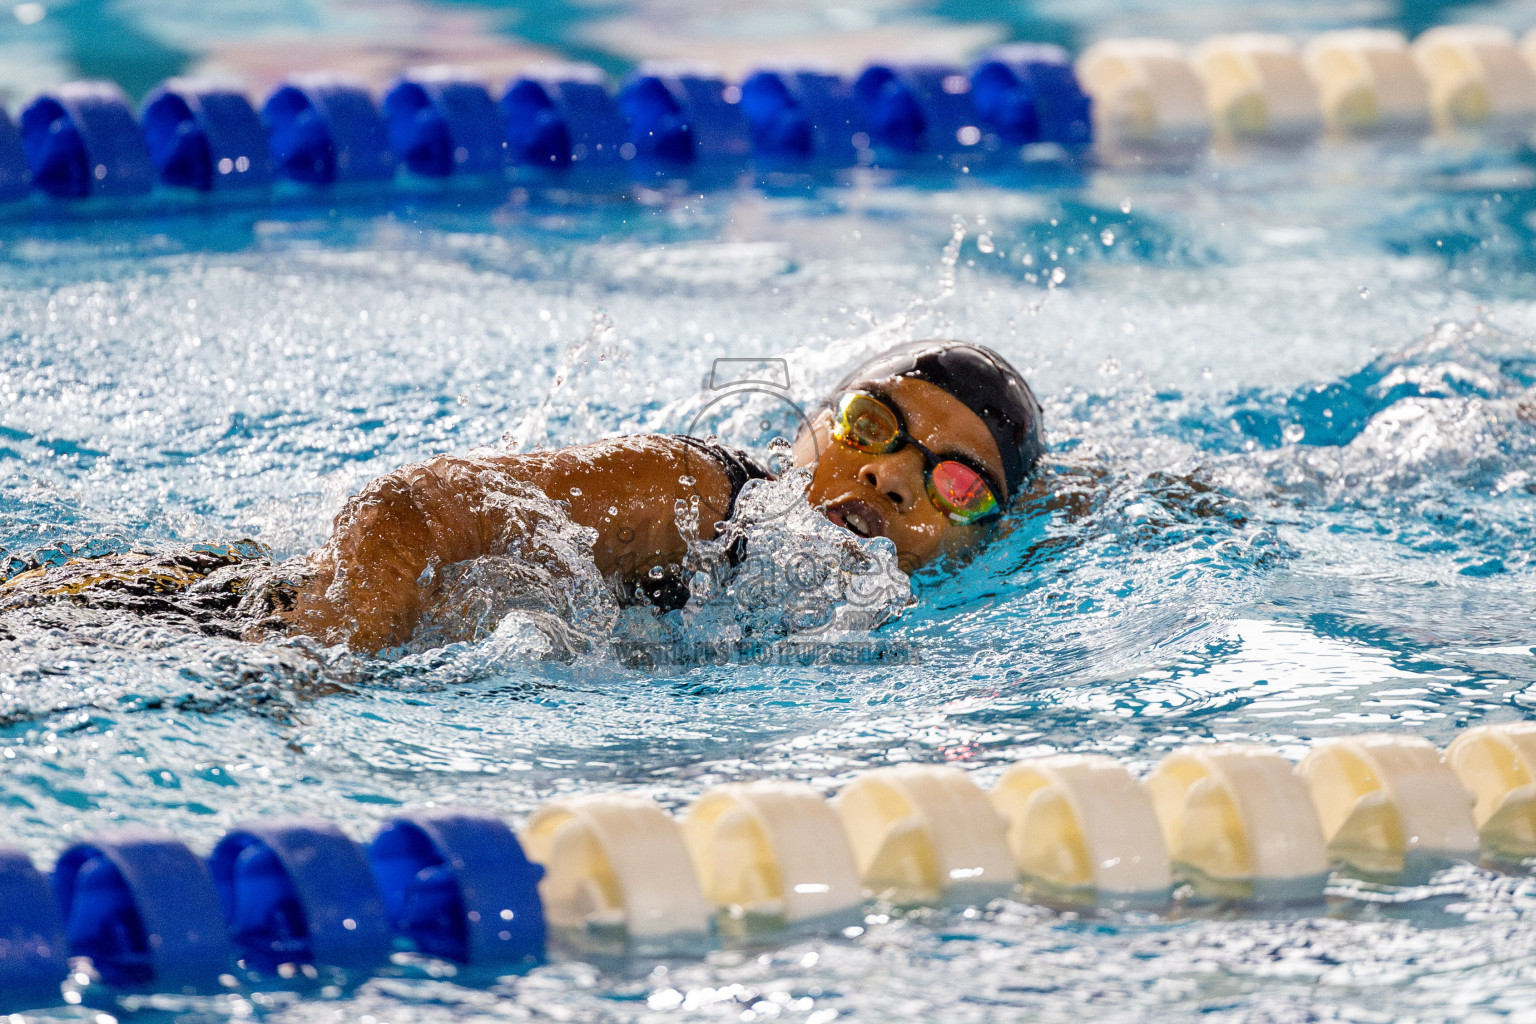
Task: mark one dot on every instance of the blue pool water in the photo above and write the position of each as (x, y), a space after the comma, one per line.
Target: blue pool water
(1291, 398)
(1293, 403)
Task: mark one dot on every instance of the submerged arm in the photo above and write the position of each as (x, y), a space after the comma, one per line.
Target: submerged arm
(372, 583)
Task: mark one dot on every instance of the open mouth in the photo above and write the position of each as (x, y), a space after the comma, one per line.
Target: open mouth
(858, 517)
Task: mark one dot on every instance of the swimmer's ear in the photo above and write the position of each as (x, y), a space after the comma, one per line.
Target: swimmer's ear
(811, 436)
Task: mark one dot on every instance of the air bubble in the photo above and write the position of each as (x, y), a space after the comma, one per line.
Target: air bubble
(1125, 205)
(984, 244)
(1365, 292)
(1107, 237)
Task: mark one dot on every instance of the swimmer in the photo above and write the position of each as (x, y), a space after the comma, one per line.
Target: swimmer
(927, 445)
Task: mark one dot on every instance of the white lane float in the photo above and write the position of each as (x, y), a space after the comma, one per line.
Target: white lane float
(1497, 765)
(1389, 806)
(1146, 98)
(1257, 89)
(925, 834)
(1477, 79)
(616, 867)
(772, 854)
(1239, 824)
(1080, 827)
(1367, 82)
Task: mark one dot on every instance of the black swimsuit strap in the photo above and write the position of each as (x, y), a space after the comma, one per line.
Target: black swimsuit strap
(670, 592)
(739, 466)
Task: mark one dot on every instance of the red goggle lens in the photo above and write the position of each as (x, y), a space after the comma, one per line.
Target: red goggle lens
(960, 492)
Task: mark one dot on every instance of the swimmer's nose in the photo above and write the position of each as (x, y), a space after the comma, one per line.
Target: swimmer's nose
(894, 476)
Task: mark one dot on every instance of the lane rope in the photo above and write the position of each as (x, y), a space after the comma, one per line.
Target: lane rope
(615, 872)
(1123, 102)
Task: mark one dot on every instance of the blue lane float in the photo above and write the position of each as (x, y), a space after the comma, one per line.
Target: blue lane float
(457, 884)
(325, 130)
(674, 121)
(32, 947)
(205, 136)
(15, 178)
(563, 118)
(143, 908)
(918, 111)
(1028, 94)
(442, 124)
(299, 891)
(680, 117)
(802, 117)
(84, 141)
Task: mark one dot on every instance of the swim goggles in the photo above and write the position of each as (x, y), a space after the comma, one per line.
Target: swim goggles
(957, 488)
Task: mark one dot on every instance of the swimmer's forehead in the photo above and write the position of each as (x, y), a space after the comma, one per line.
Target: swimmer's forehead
(940, 420)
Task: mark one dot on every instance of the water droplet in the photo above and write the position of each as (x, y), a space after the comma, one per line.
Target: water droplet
(1107, 237)
(657, 572)
(984, 244)
(686, 480)
(1110, 367)
(1058, 275)
(1293, 433)
(463, 400)
(1365, 292)
(613, 510)
(1125, 205)
(575, 492)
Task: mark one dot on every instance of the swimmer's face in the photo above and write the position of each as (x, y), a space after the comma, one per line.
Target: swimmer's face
(887, 495)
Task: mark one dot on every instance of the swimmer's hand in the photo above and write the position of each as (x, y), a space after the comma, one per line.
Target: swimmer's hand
(378, 573)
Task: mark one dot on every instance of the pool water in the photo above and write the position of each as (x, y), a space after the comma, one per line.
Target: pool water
(1292, 420)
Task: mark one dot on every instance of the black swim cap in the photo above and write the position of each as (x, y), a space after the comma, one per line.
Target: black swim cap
(982, 380)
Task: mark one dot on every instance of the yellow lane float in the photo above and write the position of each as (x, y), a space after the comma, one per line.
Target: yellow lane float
(1389, 806)
(1257, 89)
(1146, 97)
(925, 834)
(1368, 82)
(1497, 765)
(1477, 78)
(1080, 826)
(771, 854)
(616, 866)
(1238, 823)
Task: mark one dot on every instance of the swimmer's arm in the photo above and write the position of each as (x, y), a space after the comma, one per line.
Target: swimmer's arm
(371, 586)
(370, 582)
(626, 491)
